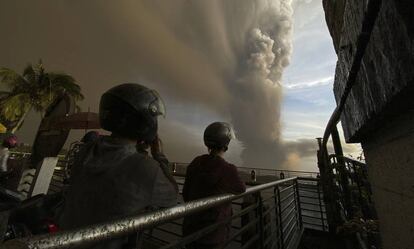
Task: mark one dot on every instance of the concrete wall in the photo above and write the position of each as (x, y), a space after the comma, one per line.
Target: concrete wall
(380, 109)
(386, 69)
(390, 157)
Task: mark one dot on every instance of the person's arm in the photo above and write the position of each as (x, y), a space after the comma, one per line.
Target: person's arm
(159, 156)
(187, 183)
(164, 192)
(231, 181)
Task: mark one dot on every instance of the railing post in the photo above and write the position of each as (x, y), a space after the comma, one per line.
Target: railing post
(320, 205)
(358, 182)
(261, 219)
(277, 217)
(343, 174)
(298, 206)
(329, 188)
(279, 207)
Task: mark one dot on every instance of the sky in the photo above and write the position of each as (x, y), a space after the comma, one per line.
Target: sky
(265, 66)
(308, 80)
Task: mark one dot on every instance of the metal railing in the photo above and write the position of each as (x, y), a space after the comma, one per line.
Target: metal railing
(355, 174)
(308, 196)
(312, 204)
(269, 217)
(278, 172)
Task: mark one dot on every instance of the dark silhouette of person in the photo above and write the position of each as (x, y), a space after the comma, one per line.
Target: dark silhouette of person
(210, 175)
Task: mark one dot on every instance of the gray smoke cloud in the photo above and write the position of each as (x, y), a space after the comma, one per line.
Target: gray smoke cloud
(227, 56)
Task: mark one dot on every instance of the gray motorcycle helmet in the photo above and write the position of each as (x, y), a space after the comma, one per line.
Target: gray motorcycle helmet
(131, 110)
(218, 135)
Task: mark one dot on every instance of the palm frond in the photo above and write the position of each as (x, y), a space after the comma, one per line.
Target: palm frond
(14, 106)
(11, 79)
(29, 74)
(65, 83)
(35, 89)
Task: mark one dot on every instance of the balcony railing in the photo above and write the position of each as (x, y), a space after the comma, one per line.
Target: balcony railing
(269, 216)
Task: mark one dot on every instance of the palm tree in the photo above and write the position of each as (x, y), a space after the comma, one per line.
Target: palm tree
(35, 89)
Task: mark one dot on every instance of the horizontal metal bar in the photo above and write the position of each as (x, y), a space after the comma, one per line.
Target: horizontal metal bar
(167, 231)
(280, 170)
(289, 233)
(311, 217)
(176, 223)
(311, 210)
(196, 235)
(313, 224)
(286, 189)
(271, 238)
(287, 197)
(251, 241)
(286, 226)
(294, 242)
(245, 210)
(270, 198)
(305, 191)
(125, 226)
(301, 178)
(237, 203)
(287, 206)
(307, 186)
(210, 228)
(311, 203)
(292, 211)
(269, 209)
(241, 231)
(316, 198)
(150, 237)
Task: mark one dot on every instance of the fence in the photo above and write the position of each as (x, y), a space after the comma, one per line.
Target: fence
(278, 172)
(312, 204)
(269, 217)
(303, 193)
(351, 174)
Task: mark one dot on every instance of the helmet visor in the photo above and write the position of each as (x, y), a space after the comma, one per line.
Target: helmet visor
(157, 106)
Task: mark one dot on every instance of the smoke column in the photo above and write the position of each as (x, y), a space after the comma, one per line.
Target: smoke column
(225, 55)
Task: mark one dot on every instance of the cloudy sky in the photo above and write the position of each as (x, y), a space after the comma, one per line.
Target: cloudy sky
(308, 96)
(264, 65)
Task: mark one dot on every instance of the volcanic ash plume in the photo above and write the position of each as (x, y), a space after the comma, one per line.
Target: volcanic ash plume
(258, 92)
(223, 55)
(230, 55)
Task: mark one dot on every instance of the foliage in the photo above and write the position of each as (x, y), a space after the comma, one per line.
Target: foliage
(35, 89)
(359, 224)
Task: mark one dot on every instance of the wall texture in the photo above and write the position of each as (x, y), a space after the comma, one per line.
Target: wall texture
(386, 73)
(390, 157)
(379, 112)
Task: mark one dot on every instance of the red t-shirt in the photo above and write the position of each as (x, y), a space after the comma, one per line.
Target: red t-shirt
(209, 175)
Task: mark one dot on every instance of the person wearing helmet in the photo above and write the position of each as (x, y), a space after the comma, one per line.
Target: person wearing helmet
(8, 143)
(209, 175)
(110, 178)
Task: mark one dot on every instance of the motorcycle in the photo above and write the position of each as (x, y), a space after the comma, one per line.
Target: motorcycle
(21, 218)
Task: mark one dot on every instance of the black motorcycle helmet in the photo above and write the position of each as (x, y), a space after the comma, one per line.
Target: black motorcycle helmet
(131, 110)
(217, 136)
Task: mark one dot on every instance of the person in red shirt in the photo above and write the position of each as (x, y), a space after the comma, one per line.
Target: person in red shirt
(209, 175)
